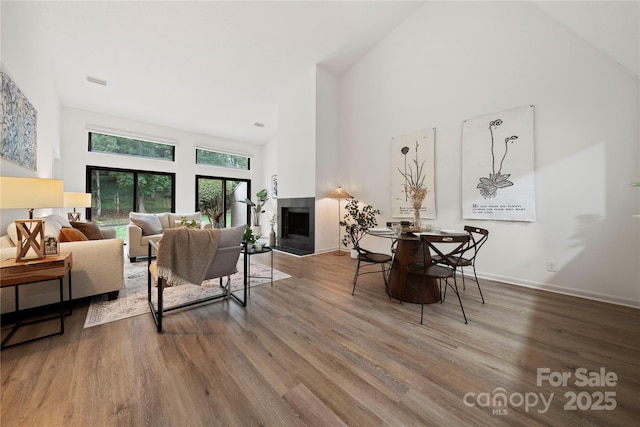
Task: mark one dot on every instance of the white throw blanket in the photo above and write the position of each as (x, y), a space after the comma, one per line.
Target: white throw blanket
(184, 254)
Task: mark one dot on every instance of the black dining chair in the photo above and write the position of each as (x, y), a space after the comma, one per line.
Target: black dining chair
(450, 249)
(367, 258)
(478, 237)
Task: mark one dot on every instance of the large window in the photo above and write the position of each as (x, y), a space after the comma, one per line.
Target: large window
(222, 200)
(116, 192)
(130, 147)
(215, 158)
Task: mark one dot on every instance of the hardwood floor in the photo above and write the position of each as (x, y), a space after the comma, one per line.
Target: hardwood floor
(307, 352)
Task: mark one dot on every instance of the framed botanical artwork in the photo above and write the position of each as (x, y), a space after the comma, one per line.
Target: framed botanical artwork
(498, 175)
(51, 245)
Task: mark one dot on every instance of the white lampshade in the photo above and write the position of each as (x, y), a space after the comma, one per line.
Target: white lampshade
(77, 200)
(30, 193)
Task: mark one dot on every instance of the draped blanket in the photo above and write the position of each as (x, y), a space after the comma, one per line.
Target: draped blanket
(184, 254)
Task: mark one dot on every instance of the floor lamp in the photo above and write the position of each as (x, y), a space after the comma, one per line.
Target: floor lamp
(30, 193)
(339, 193)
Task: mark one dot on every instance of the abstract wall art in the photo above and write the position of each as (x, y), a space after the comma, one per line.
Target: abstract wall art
(18, 139)
(498, 166)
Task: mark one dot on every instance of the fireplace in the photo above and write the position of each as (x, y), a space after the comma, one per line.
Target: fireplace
(296, 225)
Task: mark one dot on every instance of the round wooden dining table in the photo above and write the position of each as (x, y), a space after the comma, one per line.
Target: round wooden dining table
(408, 251)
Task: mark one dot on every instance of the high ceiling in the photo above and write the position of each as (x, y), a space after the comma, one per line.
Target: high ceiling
(219, 67)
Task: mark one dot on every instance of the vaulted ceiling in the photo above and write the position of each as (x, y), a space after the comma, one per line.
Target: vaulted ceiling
(218, 67)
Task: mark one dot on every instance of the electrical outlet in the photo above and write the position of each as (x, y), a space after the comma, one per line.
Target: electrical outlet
(551, 266)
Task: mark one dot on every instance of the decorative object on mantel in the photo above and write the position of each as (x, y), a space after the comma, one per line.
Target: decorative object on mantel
(76, 200)
(412, 176)
(339, 193)
(257, 208)
(30, 193)
(272, 234)
(357, 221)
(498, 175)
(18, 137)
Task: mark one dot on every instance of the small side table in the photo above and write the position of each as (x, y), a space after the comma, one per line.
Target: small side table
(247, 264)
(22, 273)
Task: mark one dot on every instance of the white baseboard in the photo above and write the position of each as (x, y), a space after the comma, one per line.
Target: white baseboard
(562, 290)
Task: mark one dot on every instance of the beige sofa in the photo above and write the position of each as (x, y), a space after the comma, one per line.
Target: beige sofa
(144, 227)
(98, 268)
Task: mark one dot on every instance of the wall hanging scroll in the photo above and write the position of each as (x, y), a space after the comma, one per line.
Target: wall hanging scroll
(498, 166)
(412, 175)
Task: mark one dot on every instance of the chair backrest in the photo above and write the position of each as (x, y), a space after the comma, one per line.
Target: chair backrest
(478, 238)
(226, 258)
(449, 248)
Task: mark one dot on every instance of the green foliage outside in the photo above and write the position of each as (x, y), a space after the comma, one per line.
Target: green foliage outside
(213, 158)
(131, 147)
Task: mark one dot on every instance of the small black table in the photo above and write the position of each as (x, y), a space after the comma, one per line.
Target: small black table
(247, 264)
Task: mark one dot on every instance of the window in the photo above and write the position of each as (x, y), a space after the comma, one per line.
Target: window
(222, 200)
(131, 147)
(116, 192)
(214, 158)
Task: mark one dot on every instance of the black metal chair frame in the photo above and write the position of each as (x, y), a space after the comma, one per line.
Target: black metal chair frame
(370, 258)
(442, 270)
(473, 247)
(158, 313)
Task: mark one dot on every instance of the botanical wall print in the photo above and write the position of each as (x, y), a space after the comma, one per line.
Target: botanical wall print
(412, 175)
(18, 142)
(498, 166)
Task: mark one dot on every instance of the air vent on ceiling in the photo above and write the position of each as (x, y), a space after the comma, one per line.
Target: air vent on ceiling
(258, 124)
(96, 80)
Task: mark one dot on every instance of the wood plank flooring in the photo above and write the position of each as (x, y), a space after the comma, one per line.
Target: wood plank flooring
(307, 352)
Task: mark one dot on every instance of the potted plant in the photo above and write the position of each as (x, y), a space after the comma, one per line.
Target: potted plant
(249, 238)
(257, 208)
(357, 221)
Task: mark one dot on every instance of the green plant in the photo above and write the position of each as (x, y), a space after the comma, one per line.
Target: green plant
(257, 206)
(357, 221)
(189, 223)
(636, 184)
(249, 237)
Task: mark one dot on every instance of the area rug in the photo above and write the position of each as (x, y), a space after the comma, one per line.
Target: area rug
(132, 300)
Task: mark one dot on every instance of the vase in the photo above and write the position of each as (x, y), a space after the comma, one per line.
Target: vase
(272, 238)
(416, 218)
(257, 230)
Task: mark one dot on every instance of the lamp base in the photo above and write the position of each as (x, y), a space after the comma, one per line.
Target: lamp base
(73, 216)
(31, 236)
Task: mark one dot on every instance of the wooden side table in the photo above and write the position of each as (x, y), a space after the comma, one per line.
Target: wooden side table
(25, 272)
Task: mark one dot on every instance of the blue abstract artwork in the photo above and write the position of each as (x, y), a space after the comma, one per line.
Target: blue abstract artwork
(18, 137)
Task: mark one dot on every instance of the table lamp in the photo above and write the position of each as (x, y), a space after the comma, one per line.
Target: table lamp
(76, 200)
(30, 193)
(339, 193)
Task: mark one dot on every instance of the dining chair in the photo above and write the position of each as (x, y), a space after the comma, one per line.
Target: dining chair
(478, 237)
(450, 250)
(367, 258)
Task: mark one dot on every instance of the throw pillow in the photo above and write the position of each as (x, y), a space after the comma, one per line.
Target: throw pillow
(175, 218)
(150, 224)
(89, 229)
(68, 234)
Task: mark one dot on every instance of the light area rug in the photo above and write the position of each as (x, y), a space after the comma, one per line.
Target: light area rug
(132, 299)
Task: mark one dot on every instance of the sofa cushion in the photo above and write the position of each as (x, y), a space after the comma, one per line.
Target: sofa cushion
(175, 218)
(231, 236)
(150, 224)
(89, 229)
(164, 219)
(69, 234)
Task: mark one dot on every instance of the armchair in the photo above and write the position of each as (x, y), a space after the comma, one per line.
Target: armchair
(221, 252)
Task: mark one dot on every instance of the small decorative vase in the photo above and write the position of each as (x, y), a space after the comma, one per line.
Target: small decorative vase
(272, 238)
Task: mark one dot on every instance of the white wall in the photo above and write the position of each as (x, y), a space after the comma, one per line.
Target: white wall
(451, 61)
(297, 139)
(75, 156)
(22, 60)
